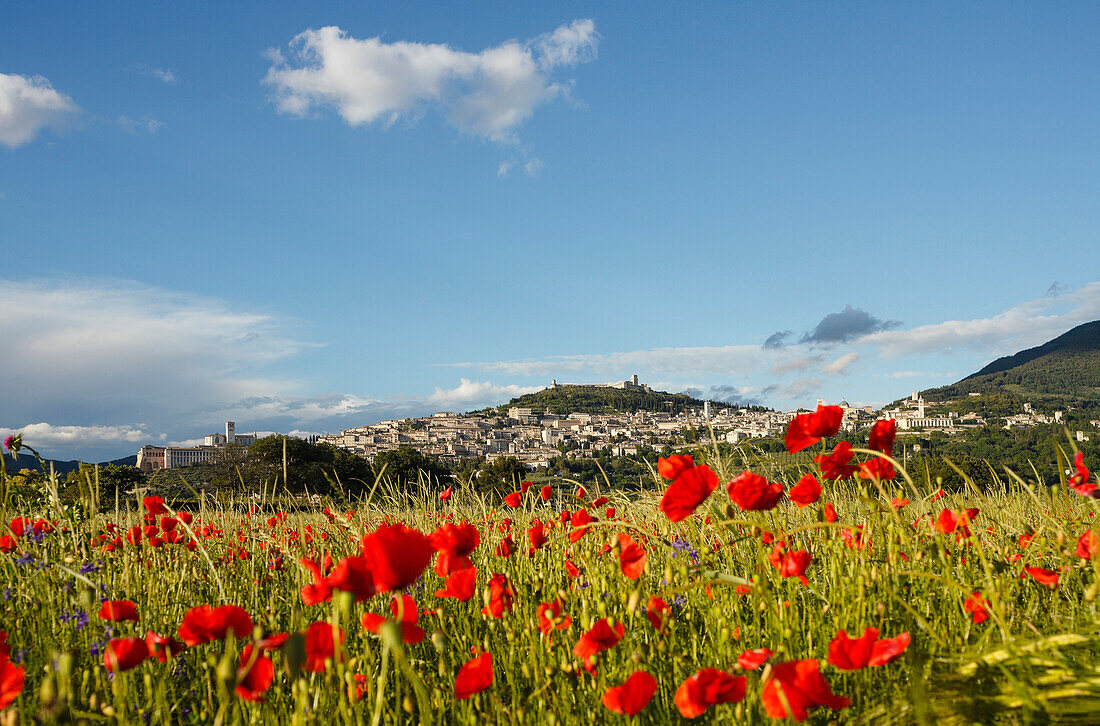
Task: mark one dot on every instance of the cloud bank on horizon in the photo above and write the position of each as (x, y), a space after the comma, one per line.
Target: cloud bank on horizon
(104, 365)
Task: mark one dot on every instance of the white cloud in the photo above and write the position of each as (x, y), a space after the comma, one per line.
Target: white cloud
(533, 167)
(796, 364)
(145, 125)
(44, 434)
(1022, 326)
(839, 365)
(27, 105)
(117, 350)
(162, 74)
(504, 169)
(731, 360)
(568, 45)
(475, 394)
(485, 94)
(896, 375)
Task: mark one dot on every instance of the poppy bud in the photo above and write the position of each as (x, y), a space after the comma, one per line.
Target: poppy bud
(295, 651)
(227, 672)
(632, 602)
(47, 692)
(439, 642)
(730, 511)
(407, 704)
(1090, 593)
(1060, 538)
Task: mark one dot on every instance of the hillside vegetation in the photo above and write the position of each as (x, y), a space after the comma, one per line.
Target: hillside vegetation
(564, 400)
(1063, 373)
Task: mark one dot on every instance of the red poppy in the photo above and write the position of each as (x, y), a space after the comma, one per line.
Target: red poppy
(600, 637)
(807, 429)
(938, 495)
(536, 537)
(949, 521)
(274, 641)
(161, 647)
(501, 596)
(351, 574)
(806, 491)
(851, 654)
(632, 557)
(255, 672)
(835, 466)
(7, 543)
(454, 542)
(1088, 545)
(154, 506)
(550, 617)
(5, 649)
(898, 502)
(446, 494)
(877, 468)
(18, 526)
(790, 564)
(321, 641)
(830, 512)
(122, 654)
(546, 492)
(706, 688)
(572, 569)
(397, 556)
(513, 500)
(1043, 576)
(405, 614)
(1080, 480)
(750, 660)
(580, 521)
(11, 682)
(474, 677)
(794, 687)
(753, 493)
(978, 607)
(459, 584)
(319, 590)
(691, 488)
(504, 549)
(888, 649)
(118, 611)
(524, 486)
(632, 696)
(674, 465)
(204, 623)
(882, 436)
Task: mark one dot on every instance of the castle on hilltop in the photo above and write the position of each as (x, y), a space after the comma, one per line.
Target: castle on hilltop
(631, 384)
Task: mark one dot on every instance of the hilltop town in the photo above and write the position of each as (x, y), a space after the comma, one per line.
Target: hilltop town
(535, 435)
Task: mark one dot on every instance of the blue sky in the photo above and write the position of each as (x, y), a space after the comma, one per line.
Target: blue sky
(310, 216)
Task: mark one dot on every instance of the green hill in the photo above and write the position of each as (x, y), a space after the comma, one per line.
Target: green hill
(1063, 373)
(568, 399)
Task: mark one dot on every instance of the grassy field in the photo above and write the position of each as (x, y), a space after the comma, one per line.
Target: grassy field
(984, 604)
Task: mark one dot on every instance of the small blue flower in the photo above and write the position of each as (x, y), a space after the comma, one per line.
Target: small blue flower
(26, 559)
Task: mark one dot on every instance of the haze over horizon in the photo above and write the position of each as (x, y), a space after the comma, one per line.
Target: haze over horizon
(332, 215)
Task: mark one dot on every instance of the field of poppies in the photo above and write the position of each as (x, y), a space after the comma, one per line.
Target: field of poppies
(849, 591)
